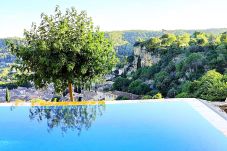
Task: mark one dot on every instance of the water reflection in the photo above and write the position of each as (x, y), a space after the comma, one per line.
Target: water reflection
(66, 118)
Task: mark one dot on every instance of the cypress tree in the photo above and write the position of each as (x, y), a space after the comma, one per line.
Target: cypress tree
(7, 95)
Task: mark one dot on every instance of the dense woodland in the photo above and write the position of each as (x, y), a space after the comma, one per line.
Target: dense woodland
(190, 66)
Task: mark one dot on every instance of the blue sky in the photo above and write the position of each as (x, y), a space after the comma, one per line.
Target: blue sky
(17, 15)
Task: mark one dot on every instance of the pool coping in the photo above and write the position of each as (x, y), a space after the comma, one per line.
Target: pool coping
(207, 111)
(212, 115)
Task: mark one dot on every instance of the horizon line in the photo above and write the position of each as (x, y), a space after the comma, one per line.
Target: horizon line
(144, 30)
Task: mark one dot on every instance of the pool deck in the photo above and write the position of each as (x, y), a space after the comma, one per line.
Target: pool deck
(209, 112)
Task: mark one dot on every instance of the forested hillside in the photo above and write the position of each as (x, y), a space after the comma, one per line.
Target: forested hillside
(124, 40)
(189, 66)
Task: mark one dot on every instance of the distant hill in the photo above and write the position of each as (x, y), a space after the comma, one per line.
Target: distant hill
(124, 40)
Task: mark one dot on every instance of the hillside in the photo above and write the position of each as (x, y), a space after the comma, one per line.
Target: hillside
(178, 66)
(124, 40)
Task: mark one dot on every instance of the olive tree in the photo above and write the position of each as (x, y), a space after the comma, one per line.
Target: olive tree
(64, 49)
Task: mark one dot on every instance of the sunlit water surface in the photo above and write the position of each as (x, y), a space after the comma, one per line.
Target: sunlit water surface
(161, 126)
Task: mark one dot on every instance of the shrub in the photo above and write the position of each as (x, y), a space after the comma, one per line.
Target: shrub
(211, 86)
(172, 93)
(152, 92)
(121, 84)
(56, 99)
(147, 97)
(138, 87)
(182, 95)
(143, 73)
(122, 98)
(130, 59)
(157, 96)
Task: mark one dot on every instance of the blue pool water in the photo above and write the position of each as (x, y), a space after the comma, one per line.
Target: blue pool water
(161, 126)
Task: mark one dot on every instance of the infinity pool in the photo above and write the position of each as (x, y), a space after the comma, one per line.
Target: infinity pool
(156, 126)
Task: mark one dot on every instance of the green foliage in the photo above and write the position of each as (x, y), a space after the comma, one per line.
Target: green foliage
(168, 39)
(223, 38)
(152, 92)
(200, 38)
(121, 84)
(162, 81)
(65, 47)
(147, 97)
(14, 85)
(183, 40)
(183, 95)
(122, 98)
(56, 99)
(130, 59)
(7, 95)
(157, 96)
(116, 38)
(4, 73)
(172, 93)
(9, 85)
(193, 65)
(123, 61)
(153, 44)
(143, 73)
(211, 86)
(184, 62)
(138, 87)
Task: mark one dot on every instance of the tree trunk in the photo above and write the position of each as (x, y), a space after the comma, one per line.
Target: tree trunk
(71, 92)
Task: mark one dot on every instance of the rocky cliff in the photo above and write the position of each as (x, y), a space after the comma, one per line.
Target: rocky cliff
(144, 58)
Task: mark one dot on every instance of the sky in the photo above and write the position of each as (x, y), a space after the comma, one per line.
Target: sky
(112, 15)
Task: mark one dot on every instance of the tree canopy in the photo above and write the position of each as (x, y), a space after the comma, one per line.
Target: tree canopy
(64, 48)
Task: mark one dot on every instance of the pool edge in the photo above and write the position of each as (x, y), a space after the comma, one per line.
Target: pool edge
(211, 115)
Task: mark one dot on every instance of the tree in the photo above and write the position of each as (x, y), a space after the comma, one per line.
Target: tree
(64, 49)
(183, 40)
(162, 81)
(201, 38)
(7, 95)
(157, 96)
(212, 86)
(182, 61)
(168, 39)
(172, 93)
(224, 38)
(193, 65)
(138, 87)
(121, 84)
(153, 44)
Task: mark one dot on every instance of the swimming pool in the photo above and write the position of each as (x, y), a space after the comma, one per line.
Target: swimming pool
(156, 126)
